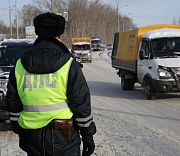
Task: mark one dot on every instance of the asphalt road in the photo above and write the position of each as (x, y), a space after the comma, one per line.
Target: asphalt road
(127, 123)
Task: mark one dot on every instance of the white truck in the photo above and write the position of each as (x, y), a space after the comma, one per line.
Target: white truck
(81, 47)
(150, 56)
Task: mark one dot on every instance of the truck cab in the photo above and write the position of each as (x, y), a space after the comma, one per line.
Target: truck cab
(158, 64)
(10, 51)
(82, 50)
(96, 43)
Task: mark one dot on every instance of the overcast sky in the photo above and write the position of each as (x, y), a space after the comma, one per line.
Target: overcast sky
(143, 12)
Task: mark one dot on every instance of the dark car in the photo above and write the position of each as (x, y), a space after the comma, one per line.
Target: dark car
(10, 51)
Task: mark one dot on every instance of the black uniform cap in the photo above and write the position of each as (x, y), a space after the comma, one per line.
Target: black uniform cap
(49, 25)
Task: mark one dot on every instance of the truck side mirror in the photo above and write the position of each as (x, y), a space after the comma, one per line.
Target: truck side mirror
(142, 55)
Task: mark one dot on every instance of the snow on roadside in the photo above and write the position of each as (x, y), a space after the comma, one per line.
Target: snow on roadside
(10, 144)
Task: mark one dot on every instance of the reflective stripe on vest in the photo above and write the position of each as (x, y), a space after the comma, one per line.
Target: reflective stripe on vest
(45, 108)
(43, 96)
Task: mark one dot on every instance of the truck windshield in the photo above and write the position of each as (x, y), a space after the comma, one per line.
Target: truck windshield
(95, 41)
(10, 54)
(166, 47)
(82, 47)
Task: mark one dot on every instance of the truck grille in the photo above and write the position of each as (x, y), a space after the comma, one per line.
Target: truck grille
(176, 71)
(95, 46)
(82, 55)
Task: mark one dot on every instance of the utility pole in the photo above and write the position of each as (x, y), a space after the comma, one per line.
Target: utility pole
(117, 1)
(10, 22)
(51, 5)
(118, 15)
(123, 21)
(10, 19)
(17, 21)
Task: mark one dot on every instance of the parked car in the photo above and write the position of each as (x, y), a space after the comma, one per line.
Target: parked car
(10, 51)
(109, 46)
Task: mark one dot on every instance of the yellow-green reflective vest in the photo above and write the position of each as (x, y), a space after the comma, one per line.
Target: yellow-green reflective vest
(43, 96)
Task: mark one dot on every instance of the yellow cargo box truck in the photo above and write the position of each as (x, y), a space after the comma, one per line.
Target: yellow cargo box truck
(81, 47)
(150, 56)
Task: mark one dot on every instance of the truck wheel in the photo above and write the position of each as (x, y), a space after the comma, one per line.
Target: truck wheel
(150, 93)
(124, 83)
(131, 84)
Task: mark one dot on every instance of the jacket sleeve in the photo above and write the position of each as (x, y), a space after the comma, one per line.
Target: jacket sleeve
(13, 103)
(79, 100)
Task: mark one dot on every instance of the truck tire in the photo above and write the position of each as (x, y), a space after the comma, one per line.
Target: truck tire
(131, 84)
(148, 88)
(124, 83)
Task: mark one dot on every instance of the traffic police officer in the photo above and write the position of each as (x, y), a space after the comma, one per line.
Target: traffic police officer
(48, 98)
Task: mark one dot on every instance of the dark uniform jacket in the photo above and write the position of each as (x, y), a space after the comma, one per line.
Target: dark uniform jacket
(47, 56)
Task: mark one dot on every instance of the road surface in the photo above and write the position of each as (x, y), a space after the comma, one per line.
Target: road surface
(127, 123)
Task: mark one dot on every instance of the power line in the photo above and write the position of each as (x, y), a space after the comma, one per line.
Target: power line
(7, 7)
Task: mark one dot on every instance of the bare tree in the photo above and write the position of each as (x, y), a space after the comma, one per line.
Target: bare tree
(179, 21)
(174, 20)
(3, 27)
(28, 13)
(85, 18)
(3, 30)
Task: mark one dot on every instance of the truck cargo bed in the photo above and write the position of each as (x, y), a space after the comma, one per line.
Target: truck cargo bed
(124, 65)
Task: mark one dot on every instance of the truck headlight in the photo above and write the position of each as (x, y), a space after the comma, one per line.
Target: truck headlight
(75, 54)
(89, 54)
(164, 73)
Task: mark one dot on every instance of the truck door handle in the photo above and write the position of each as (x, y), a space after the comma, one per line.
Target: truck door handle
(141, 65)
